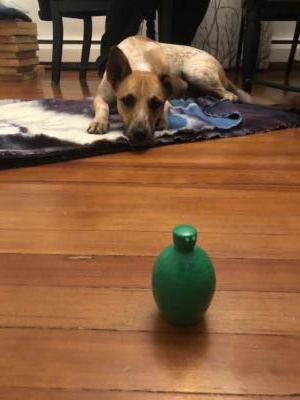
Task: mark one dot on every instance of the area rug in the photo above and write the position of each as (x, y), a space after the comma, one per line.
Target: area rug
(43, 131)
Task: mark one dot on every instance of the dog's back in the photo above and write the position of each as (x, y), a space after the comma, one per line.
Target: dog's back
(147, 55)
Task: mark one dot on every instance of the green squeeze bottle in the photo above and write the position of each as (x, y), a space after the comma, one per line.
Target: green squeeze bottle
(183, 280)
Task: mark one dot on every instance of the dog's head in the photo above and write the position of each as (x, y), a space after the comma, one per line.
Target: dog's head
(141, 96)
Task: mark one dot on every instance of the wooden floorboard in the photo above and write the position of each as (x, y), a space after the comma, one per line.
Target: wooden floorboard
(240, 274)
(128, 243)
(142, 361)
(77, 245)
(190, 176)
(96, 394)
(134, 310)
(147, 208)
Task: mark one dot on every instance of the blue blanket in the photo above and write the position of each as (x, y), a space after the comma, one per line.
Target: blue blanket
(199, 115)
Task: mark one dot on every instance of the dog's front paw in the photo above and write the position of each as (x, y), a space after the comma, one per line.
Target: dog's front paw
(98, 127)
(162, 124)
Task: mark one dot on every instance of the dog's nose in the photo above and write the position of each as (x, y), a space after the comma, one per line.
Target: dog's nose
(139, 135)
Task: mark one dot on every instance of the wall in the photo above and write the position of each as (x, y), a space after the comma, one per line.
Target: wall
(282, 31)
(73, 31)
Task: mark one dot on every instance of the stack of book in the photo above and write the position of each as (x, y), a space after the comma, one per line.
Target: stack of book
(18, 46)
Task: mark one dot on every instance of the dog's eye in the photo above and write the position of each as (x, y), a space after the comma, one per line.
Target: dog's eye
(155, 103)
(128, 101)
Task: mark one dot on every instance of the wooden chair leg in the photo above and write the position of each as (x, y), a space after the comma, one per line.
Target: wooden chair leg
(250, 51)
(58, 32)
(292, 53)
(86, 47)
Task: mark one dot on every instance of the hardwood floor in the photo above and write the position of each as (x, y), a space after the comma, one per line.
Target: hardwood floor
(77, 244)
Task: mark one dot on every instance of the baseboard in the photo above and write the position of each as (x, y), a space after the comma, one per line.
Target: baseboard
(71, 52)
(280, 52)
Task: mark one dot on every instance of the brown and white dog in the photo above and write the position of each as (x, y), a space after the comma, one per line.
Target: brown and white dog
(141, 75)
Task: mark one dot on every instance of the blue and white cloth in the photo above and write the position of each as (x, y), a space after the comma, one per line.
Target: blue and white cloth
(199, 115)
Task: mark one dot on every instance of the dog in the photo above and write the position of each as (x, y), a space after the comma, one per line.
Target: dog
(142, 75)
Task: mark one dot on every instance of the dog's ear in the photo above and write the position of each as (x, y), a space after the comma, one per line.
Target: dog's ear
(173, 86)
(117, 67)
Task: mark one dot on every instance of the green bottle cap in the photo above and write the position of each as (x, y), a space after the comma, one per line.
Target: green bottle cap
(185, 237)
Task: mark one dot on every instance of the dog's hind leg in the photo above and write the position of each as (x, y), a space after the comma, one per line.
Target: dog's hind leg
(208, 78)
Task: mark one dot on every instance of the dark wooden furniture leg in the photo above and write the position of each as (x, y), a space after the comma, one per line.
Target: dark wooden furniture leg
(292, 53)
(164, 21)
(86, 46)
(58, 33)
(150, 25)
(251, 44)
(240, 44)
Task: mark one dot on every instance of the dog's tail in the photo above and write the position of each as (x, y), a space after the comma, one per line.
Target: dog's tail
(243, 96)
(288, 103)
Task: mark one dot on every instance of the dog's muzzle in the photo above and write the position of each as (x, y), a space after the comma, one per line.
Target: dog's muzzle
(139, 135)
